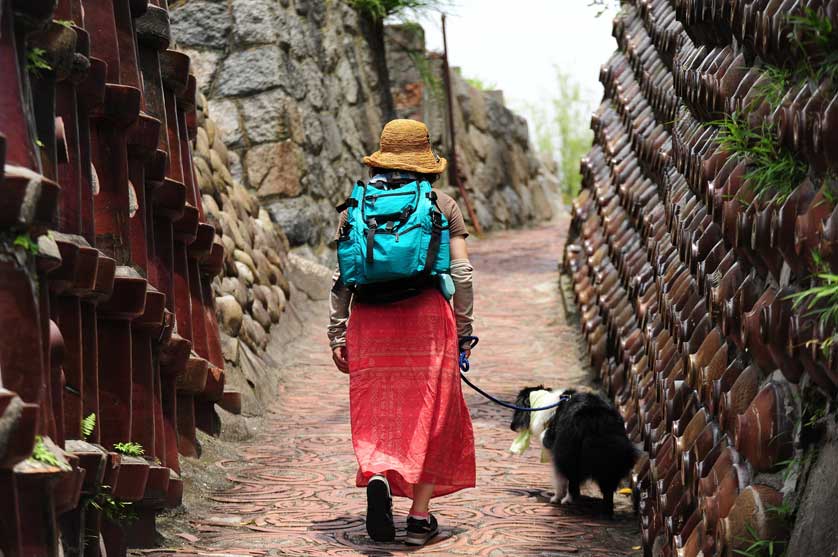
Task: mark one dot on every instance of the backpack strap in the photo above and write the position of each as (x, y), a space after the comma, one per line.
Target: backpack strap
(372, 225)
(350, 202)
(436, 240)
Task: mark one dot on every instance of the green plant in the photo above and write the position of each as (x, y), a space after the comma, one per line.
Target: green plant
(759, 547)
(775, 85)
(35, 61)
(429, 78)
(88, 424)
(380, 9)
(129, 448)
(481, 85)
(560, 131)
(569, 137)
(772, 169)
(68, 23)
(816, 40)
(826, 293)
(112, 509)
(26, 242)
(42, 454)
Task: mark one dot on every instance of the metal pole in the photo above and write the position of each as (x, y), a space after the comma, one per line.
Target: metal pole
(453, 175)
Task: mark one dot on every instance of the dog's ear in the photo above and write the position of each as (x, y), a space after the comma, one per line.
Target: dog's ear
(520, 418)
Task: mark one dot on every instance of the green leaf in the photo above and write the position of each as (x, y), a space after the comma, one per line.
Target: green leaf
(35, 61)
(42, 454)
(129, 448)
(26, 242)
(88, 424)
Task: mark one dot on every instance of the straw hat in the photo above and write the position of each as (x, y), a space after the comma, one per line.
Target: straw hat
(406, 145)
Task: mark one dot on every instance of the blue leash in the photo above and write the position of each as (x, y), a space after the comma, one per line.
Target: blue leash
(465, 366)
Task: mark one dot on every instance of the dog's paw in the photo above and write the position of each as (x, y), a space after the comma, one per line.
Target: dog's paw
(567, 499)
(554, 500)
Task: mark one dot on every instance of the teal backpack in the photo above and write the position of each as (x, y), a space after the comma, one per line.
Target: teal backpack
(392, 236)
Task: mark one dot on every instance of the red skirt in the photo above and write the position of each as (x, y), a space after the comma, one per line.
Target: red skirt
(409, 420)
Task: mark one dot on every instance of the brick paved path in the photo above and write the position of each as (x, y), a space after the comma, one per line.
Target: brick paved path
(292, 487)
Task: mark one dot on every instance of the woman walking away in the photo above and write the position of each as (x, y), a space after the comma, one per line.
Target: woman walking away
(402, 255)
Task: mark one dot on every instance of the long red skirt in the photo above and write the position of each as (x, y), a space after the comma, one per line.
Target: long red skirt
(409, 420)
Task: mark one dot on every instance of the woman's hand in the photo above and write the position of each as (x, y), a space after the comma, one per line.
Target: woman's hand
(339, 357)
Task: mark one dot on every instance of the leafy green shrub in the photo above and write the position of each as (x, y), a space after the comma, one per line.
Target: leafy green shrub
(129, 448)
(114, 510)
(561, 131)
(772, 169)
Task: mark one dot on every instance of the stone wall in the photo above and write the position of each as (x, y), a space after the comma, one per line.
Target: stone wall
(255, 287)
(506, 180)
(292, 85)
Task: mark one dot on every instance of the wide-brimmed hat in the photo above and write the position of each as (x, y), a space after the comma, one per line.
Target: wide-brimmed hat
(406, 145)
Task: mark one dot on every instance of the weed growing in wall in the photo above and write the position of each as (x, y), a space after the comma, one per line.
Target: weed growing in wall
(88, 424)
(129, 448)
(36, 61)
(42, 454)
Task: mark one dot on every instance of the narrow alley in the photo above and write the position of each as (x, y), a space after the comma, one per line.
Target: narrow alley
(291, 488)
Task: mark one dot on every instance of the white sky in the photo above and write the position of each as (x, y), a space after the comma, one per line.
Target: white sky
(515, 45)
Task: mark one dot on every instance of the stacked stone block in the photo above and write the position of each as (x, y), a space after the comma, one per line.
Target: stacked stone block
(685, 273)
(106, 264)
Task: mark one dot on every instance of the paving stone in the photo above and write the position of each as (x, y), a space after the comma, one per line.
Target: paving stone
(292, 485)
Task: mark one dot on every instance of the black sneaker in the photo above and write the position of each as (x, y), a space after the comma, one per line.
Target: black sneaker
(420, 532)
(380, 510)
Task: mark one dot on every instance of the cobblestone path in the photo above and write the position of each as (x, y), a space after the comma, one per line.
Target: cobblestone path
(292, 486)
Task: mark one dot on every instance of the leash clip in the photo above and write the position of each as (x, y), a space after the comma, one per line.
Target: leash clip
(466, 343)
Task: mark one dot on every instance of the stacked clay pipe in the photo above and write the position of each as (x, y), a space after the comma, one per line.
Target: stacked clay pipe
(106, 263)
(683, 275)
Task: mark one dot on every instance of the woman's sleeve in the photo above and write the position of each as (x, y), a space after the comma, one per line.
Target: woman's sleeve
(461, 274)
(339, 301)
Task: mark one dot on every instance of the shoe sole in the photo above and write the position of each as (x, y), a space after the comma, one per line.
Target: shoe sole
(380, 526)
(420, 539)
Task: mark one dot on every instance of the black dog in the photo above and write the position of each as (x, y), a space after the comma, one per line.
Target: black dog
(587, 439)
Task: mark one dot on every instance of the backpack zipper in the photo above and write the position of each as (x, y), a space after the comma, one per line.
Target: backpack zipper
(374, 197)
(398, 232)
